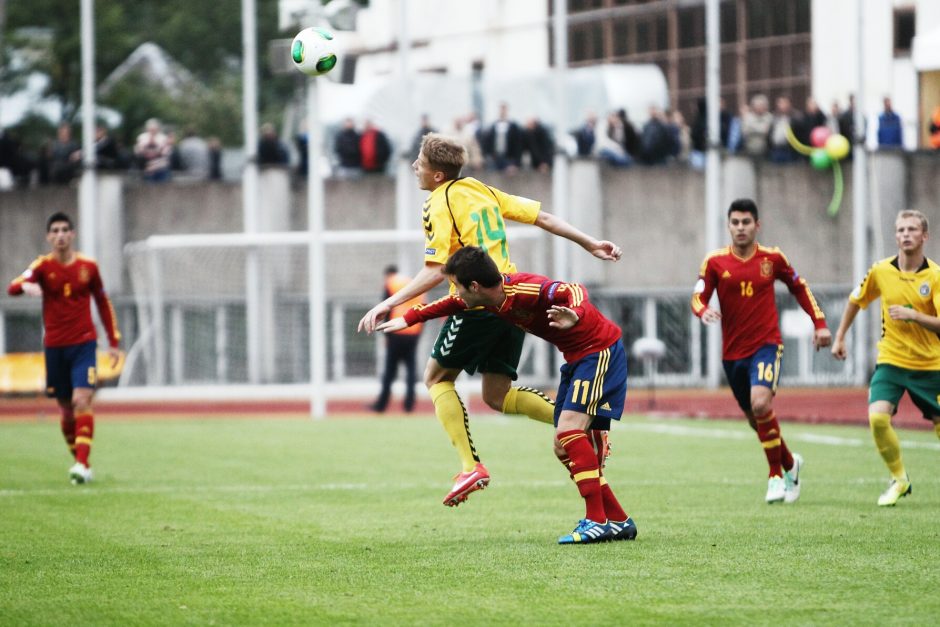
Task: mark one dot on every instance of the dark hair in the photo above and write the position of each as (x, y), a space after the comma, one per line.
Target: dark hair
(744, 205)
(59, 216)
(472, 263)
(391, 269)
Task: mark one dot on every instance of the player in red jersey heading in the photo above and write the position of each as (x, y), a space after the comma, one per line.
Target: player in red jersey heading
(743, 274)
(67, 281)
(593, 383)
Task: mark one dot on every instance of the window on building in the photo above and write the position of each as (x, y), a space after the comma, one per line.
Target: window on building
(903, 31)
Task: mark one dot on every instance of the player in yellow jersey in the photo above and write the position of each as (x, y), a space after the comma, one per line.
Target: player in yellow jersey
(462, 211)
(909, 349)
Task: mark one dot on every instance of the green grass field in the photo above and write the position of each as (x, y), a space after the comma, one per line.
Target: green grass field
(283, 522)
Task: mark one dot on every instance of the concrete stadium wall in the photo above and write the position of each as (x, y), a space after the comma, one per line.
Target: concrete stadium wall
(656, 214)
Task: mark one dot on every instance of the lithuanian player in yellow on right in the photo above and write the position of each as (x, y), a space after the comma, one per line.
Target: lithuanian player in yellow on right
(909, 349)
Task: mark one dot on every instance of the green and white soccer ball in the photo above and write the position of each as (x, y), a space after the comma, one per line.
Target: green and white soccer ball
(313, 51)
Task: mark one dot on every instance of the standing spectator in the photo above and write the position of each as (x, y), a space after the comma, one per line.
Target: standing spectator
(271, 150)
(631, 141)
(586, 135)
(934, 128)
(67, 282)
(655, 140)
(13, 160)
(194, 154)
(847, 125)
(465, 132)
(153, 152)
(107, 153)
(215, 158)
(803, 125)
(346, 146)
(503, 143)
(780, 149)
(538, 143)
(300, 142)
(609, 140)
(374, 148)
(681, 136)
(423, 130)
(64, 156)
(735, 131)
(755, 126)
(889, 127)
(832, 120)
(400, 346)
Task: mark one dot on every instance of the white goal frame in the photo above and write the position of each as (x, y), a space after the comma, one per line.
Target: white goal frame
(317, 391)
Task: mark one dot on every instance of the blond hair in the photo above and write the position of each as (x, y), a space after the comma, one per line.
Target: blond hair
(913, 213)
(444, 154)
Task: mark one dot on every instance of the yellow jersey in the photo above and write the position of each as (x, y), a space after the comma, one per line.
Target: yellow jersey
(903, 343)
(466, 212)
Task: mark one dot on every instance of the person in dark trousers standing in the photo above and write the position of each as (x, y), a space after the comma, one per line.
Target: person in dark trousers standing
(400, 347)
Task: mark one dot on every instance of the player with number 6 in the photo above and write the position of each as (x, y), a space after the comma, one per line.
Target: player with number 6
(743, 274)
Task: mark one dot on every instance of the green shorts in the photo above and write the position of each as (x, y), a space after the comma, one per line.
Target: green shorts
(889, 383)
(479, 341)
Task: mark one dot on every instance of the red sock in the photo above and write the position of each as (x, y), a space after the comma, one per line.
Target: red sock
(584, 469)
(768, 432)
(67, 423)
(786, 457)
(84, 432)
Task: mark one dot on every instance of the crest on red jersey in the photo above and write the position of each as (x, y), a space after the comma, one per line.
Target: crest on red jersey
(83, 275)
(766, 268)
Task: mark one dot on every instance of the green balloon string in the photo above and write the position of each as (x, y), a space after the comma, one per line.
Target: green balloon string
(836, 201)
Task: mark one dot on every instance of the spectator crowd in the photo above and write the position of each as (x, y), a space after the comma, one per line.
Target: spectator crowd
(504, 145)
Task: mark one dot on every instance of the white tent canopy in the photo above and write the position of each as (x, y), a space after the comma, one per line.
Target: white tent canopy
(925, 51)
(395, 105)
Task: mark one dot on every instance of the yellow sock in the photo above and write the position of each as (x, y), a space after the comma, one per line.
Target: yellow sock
(453, 416)
(886, 440)
(531, 402)
(936, 428)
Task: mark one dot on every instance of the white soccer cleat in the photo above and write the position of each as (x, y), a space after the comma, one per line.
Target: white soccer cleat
(776, 490)
(80, 473)
(792, 480)
(895, 491)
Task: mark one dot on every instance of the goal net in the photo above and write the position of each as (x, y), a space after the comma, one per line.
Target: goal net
(231, 313)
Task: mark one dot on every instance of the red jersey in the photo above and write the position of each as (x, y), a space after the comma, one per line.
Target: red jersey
(746, 295)
(67, 291)
(528, 299)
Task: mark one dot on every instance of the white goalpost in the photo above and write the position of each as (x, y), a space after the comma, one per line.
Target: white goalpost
(231, 315)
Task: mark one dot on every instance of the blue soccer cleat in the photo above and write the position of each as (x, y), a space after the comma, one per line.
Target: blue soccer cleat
(625, 530)
(588, 532)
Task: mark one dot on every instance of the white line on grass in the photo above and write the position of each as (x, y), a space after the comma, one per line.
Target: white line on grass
(729, 434)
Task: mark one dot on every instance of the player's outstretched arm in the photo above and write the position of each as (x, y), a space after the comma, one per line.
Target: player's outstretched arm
(838, 343)
(393, 325)
(428, 277)
(602, 249)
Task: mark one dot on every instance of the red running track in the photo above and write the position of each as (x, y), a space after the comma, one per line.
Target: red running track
(811, 405)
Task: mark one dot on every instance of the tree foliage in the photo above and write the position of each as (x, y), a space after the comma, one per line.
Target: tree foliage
(204, 37)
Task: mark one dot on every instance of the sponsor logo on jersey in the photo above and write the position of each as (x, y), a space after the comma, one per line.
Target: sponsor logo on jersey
(430, 251)
(726, 275)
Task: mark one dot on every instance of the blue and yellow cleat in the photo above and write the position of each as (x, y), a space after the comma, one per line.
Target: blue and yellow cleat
(588, 532)
(625, 530)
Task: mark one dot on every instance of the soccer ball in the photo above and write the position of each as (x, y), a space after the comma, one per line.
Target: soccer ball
(313, 51)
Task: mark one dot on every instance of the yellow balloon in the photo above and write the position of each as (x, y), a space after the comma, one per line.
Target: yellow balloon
(837, 147)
